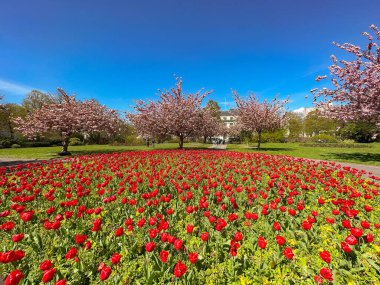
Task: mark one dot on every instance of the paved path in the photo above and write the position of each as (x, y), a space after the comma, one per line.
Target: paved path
(8, 161)
(218, 146)
(370, 169)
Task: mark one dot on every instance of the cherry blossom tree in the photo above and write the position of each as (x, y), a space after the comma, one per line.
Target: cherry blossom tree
(356, 92)
(210, 125)
(175, 113)
(68, 117)
(259, 117)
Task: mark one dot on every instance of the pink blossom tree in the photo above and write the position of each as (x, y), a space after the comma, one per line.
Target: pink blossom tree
(175, 113)
(259, 117)
(68, 117)
(356, 92)
(209, 125)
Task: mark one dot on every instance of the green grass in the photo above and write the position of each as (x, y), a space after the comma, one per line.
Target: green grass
(51, 152)
(366, 155)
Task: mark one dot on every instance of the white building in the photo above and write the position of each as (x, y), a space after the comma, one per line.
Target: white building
(228, 118)
(302, 112)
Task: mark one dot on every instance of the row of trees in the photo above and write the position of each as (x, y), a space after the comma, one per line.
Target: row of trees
(179, 114)
(174, 114)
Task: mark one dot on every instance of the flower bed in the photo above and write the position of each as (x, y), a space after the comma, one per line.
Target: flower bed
(188, 217)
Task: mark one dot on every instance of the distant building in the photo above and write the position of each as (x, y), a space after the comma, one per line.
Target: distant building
(302, 112)
(228, 117)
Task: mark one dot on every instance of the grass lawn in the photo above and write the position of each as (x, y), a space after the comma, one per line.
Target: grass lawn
(51, 152)
(366, 155)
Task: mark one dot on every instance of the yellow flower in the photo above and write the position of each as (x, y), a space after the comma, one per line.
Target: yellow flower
(244, 281)
(376, 247)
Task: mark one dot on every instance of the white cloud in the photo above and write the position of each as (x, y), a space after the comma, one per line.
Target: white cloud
(13, 88)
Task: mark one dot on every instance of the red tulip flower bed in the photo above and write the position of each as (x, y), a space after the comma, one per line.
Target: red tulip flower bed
(188, 217)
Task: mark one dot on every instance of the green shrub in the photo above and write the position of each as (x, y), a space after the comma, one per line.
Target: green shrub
(133, 140)
(36, 144)
(337, 145)
(75, 141)
(362, 132)
(5, 143)
(15, 145)
(323, 138)
(273, 137)
(172, 140)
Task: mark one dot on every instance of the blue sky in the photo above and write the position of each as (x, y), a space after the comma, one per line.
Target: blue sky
(120, 51)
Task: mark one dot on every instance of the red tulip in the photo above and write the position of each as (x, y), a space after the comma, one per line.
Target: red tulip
(277, 226)
(262, 242)
(164, 256)
(45, 265)
(115, 259)
(325, 255)
(318, 279)
(306, 225)
(27, 216)
(96, 225)
(178, 244)
(14, 277)
(368, 238)
(105, 273)
(356, 232)
(18, 237)
(345, 246)
(48, 275)
(179, 269)
(346, 224)
(149, 247)
(204, 236)
(8, 226)
(238, 236)
(365, 224)
(189, 229)
(326, 273)
(193, 257)
(71, 253)
(280, 240)
(80, 239)
(288, 253)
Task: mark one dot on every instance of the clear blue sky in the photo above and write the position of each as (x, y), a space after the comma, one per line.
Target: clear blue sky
(120, 51)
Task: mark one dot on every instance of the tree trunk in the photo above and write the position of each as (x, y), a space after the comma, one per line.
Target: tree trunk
(259, 140)
(204, 139)
(65, 146)
(11, 132)
(181, 142)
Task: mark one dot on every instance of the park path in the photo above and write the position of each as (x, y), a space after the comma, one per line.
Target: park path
(218, 146)
(370, 169)
(9, 161)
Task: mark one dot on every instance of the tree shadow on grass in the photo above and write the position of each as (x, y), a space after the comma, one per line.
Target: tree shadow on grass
(108, 151)
(16, 162)
(361, 157)
(263, 149)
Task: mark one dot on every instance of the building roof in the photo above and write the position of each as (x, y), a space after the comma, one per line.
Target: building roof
(231, 112)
